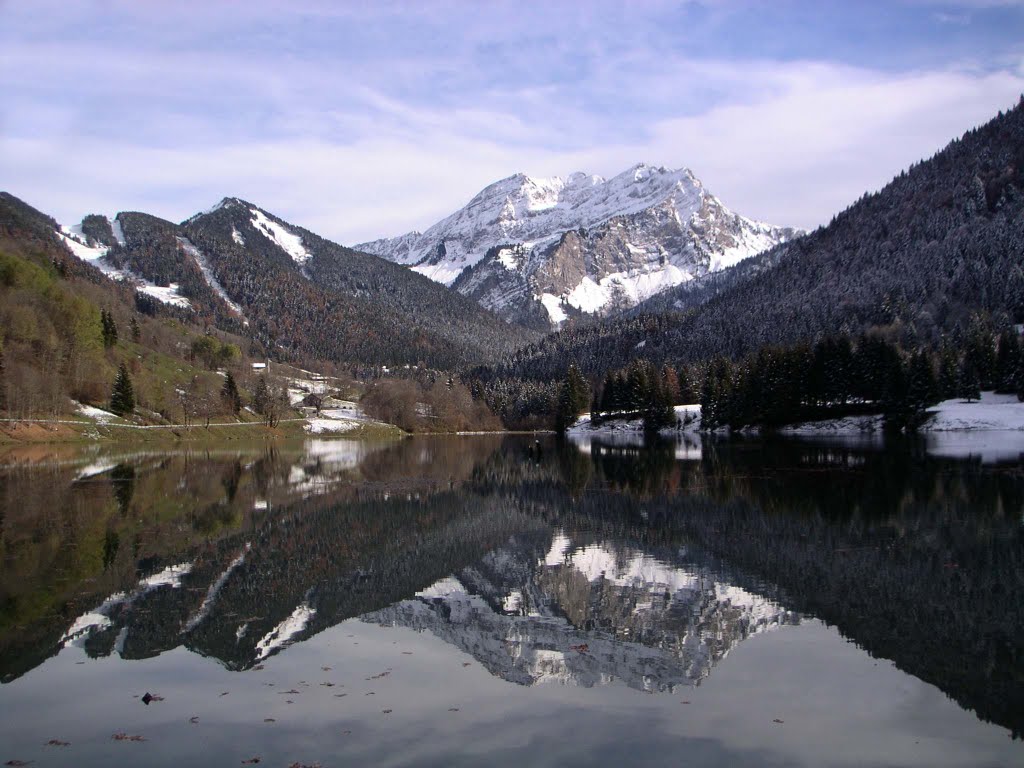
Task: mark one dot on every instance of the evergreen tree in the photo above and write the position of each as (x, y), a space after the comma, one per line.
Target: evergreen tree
(923, 389)
(948, 371)
(670, 385)
(658, 411)
(638, 385)
(573, 399)
(261, 397)
(122, 396)
(109, 329)
(1007, 359)
(688, 390)
(609, 393)
(968, 382)
(136, 330)
(981, 355)
(229, 393)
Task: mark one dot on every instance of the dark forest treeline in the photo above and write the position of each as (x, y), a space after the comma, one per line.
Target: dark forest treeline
(841, 377)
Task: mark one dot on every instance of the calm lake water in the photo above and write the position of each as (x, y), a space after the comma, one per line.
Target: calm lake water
(476, 600)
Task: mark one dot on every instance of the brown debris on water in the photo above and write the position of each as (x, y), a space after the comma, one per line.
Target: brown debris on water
(149, 697)
(58, 743)
(194, 719)
(251, 761)
(122, 736)
(19, 762)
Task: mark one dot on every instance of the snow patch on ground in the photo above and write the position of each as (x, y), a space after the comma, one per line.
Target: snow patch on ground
(96, 255)
(204, 266)
(115, 227)
(94, 413)
(992, 413)
(169, 294)
(282, 237)
(553, 305)
(444, 273)
(330, 425)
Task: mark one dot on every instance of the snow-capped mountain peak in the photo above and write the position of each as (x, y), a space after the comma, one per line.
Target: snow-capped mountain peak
(582, 243)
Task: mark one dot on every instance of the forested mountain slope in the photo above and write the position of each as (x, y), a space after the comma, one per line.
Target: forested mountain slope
(302, 291)
(944, 241)
(290, 293)
(66, 329)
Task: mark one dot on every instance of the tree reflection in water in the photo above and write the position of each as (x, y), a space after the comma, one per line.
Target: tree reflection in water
(644, 564)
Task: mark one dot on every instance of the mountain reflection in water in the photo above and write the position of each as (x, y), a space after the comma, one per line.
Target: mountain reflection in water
(644, 565)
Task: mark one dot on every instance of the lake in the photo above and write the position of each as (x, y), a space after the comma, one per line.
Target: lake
(494, 600)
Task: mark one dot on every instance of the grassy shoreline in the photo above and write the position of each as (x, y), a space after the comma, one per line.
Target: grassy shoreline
(83, 431)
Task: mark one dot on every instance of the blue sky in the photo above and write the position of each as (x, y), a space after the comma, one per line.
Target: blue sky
(361, 120)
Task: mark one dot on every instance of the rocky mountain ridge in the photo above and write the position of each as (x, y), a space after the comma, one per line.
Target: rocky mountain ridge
(538, 251)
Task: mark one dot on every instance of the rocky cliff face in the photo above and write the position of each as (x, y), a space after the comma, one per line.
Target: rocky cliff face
(582, 244)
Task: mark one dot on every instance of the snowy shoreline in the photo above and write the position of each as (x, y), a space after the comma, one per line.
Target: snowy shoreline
(992, 413)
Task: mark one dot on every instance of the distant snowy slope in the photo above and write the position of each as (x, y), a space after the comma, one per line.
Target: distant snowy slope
(580, 243)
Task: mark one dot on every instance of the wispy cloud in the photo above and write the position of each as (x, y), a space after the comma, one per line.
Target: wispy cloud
(360, 121)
